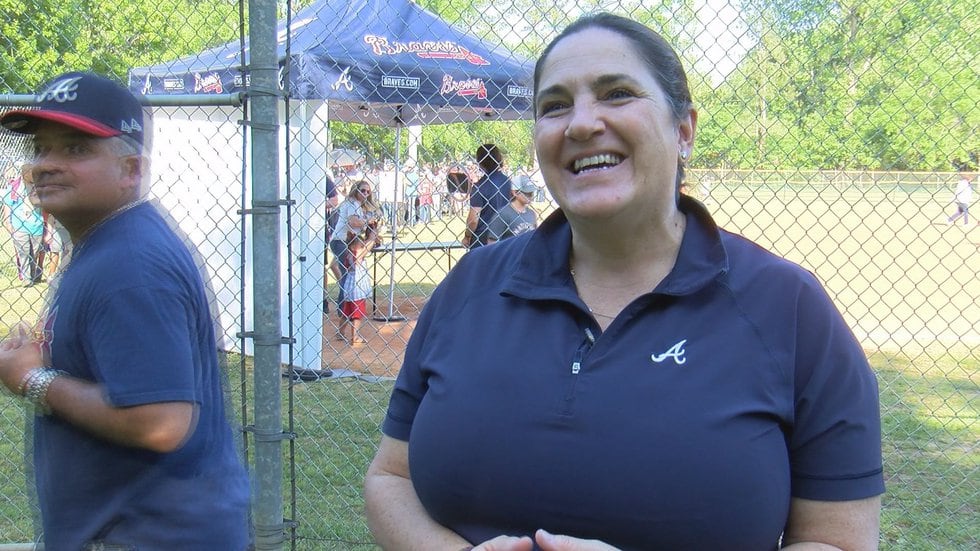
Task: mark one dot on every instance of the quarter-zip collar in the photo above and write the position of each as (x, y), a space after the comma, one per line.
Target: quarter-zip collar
(542, 271)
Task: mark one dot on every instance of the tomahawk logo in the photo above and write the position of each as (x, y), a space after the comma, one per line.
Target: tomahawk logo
(61, 91)
(343, 81)
(676, 352)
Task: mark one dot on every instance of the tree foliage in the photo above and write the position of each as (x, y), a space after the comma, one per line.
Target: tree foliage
(42, 38)
(886, 84)
(881, 84)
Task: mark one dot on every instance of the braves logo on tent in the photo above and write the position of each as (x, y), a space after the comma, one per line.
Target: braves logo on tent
(469, 87)
(426, 49)
(208, 83)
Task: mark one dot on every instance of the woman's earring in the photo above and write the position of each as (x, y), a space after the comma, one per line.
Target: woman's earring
(683, 155)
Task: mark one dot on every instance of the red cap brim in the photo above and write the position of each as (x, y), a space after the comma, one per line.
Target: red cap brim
(24, 121)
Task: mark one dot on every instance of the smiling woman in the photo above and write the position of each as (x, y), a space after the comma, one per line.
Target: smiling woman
(627, 330)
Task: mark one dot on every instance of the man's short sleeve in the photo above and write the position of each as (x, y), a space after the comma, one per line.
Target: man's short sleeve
(142, 347)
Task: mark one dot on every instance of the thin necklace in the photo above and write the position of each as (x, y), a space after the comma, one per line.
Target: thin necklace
(54, 282)
(571, 270)
(593, 312)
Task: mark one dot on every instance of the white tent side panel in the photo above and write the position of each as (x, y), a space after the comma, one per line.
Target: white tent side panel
(197, 166)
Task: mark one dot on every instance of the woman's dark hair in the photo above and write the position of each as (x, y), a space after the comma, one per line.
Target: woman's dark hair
(658, 55)
(489, 157)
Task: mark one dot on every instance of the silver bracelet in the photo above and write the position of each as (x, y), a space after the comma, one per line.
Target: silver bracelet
(37, 388)
(22, 387)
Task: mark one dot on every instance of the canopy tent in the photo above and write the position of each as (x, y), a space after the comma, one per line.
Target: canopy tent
(377, 62)
(382, 62)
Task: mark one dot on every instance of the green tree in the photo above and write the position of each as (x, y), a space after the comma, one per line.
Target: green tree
(42, 38)
(887, 84)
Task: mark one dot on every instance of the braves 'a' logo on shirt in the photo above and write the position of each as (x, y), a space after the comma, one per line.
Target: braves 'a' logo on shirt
(675, 352)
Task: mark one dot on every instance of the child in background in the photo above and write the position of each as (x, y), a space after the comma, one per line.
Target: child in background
(356, 287)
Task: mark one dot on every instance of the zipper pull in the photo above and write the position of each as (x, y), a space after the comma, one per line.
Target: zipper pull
(580, 353)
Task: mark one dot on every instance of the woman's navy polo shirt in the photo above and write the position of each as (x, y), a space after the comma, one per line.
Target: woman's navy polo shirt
(690, 422)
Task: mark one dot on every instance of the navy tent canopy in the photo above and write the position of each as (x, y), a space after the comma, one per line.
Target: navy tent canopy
(384, 62)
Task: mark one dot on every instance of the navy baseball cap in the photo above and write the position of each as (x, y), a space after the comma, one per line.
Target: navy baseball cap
(86, 102)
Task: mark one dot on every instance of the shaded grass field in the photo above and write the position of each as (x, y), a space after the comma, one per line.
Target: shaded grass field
(906, 282)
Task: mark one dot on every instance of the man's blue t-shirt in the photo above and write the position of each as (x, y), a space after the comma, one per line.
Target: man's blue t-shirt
(689, 423)
(131, 314)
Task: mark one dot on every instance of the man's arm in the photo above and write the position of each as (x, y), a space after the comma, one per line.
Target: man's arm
(471, 220)
(161, 427)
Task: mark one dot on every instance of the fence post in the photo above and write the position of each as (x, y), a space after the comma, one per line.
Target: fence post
(263, 91)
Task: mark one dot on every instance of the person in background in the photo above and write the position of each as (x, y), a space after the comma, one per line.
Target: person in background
(387, 186)
(132, 449)
(338, 175)
(41, 254)
(489, 195)
(962, 196)
(457, 187)
(57, 244)
(356, 285)
(517, 217)
(425, 193)
(355, 214)
(331, 200)
(25, 224)
(437, 174)
(678, 387)
(411, 177)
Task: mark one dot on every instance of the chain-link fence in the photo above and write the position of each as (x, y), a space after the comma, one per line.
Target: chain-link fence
(832, 133)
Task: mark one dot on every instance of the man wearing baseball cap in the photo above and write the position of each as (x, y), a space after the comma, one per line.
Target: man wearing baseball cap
(132, 449)
(516, 217)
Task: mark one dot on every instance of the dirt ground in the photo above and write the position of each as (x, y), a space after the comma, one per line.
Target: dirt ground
(381, 354)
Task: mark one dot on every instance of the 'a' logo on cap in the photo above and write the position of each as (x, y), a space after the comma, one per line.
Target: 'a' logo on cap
(61, 91)
(132, 126)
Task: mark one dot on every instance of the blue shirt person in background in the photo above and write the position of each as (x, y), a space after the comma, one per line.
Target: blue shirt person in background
(25, 223)
(628, 375)
(488, 195)
(132, 449)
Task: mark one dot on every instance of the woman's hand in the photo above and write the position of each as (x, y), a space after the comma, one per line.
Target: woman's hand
(551, 542)
(506, 543)
(546, 541)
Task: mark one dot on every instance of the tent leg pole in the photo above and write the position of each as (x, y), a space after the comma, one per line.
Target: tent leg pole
(394, 235)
